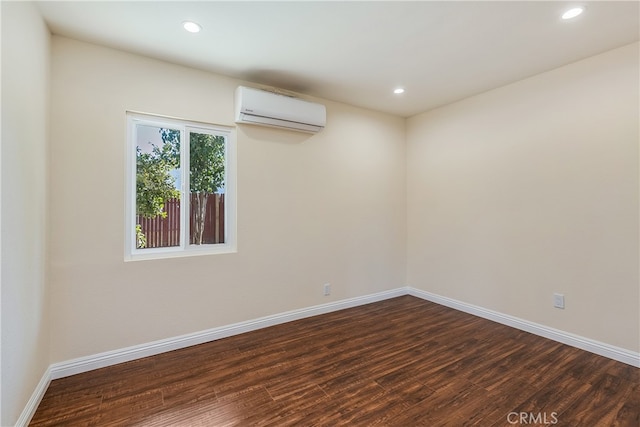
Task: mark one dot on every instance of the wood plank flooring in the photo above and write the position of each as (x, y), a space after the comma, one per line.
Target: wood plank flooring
(400, 362)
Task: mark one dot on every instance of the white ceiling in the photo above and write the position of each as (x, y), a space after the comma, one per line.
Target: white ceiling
(358, 52)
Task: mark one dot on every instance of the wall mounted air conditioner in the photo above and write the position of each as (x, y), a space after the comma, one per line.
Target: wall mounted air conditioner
(264, 108)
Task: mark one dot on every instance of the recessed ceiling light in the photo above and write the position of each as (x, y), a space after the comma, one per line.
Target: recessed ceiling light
(398, 91)
(572, 13)
(192, 27)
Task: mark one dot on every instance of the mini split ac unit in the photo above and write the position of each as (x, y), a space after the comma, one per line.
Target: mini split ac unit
(264, 108)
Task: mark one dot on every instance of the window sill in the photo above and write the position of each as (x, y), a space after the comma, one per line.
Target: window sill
(164, 253)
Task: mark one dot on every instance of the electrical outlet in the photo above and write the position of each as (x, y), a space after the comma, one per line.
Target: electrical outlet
(558, 300)
(327, 289)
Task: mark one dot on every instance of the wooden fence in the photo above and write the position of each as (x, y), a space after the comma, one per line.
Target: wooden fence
(165, 232)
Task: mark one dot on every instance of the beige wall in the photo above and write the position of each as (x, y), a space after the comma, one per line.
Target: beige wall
(531, 189)
(311, 209)
(25, 110)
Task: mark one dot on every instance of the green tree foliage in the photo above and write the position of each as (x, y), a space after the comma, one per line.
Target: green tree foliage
(154, 183)
(170, 152)
(141, 239)
(206, 157)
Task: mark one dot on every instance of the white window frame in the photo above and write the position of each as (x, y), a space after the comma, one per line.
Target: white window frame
(132, 253)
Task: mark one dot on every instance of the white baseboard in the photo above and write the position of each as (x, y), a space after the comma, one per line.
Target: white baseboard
(612, 352)
(34, 400)
(101, 360)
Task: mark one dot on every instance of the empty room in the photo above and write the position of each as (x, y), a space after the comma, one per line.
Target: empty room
(320, 213)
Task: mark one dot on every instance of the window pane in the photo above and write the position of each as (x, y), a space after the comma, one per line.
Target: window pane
(207, 187)
(157, 187)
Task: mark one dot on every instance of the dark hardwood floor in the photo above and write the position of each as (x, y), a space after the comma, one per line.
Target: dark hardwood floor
(399, 362)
